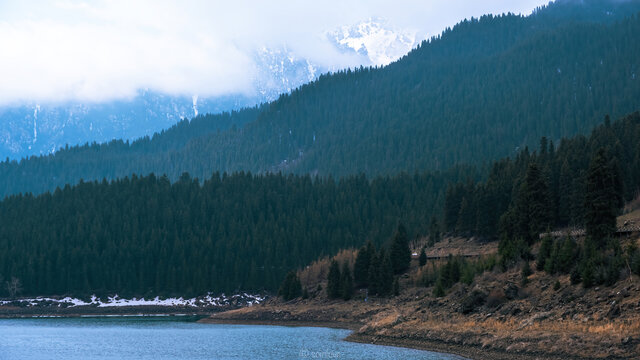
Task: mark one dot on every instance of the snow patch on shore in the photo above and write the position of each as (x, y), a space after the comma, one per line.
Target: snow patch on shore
(115, 301)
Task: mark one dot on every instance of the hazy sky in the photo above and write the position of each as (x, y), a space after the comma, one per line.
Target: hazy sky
(100, 50)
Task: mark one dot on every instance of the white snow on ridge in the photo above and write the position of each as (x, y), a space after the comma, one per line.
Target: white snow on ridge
(375, 39)
(35, 128)
(116, 301)
(194, 98)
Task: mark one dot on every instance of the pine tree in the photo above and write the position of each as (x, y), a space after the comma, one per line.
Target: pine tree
(567, 255)
(385, 284)
(400, 253)
(543, 253)
(346, 282)
(602, 198)
(422, 259)
(534, 214)
(434, 231)
(551, 265)
(291, 287)
(373, 278)
(334, 284)
(361, 266)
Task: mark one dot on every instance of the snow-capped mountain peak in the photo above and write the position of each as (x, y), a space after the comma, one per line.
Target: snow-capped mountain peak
(375, 39)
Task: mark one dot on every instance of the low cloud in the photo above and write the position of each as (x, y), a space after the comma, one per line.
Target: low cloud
(101, 50)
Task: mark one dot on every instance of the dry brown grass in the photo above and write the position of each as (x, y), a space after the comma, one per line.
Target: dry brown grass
(507, 328)
(317, 271)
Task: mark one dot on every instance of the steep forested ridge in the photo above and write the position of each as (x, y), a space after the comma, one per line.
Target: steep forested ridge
(479, 91)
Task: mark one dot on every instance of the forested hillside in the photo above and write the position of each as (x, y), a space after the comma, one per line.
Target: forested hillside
(554, 179)
(145, 235)
(480, 91)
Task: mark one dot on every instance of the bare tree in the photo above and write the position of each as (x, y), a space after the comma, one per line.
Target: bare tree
(14, 286)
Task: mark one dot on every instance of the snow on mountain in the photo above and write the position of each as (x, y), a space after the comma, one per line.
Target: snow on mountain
(375, 39)
(279, 71)
(34, 129)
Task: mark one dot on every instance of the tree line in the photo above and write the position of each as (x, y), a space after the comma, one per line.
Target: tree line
(145, 235)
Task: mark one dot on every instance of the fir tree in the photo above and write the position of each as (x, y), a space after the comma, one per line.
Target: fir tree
(422, 259)
(434, 231)
(385, 284)
(544, 252)
(400, 253)
(567, 255)
(534, 206)
(361, 266)
(334, 284)
(374, 273)
(291, 287)
(346, 282)
(602, 198)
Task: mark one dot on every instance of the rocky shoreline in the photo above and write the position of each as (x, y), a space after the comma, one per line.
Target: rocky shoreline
(529, 322)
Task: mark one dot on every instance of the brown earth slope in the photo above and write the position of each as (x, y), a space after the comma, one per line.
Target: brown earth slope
(510, 321)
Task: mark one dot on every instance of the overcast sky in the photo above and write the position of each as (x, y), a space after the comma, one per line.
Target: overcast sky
(100, 50)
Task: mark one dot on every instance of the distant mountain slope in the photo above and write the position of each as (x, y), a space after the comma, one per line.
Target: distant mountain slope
(42, 128)
(479, 91)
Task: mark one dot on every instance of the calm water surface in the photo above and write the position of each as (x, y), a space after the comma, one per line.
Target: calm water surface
(182, 338)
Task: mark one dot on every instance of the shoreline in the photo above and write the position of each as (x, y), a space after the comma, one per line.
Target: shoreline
(92, 311)
(464, 351)
(78, 315)
(459, 348)
(288, 323)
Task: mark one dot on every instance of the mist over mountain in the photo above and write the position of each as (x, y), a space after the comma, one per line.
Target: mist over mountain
(483, 89)
(42, 128)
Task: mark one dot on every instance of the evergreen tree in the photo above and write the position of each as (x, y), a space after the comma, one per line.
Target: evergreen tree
(567, 255)
(361, 266)
(533, 211)
(602, 197)
(434, 231)
(291, 287)
(422, 259)
(544, 252)
(334, 283)
(374, 277)
(385, 285)
(400, 254)
(346, 282)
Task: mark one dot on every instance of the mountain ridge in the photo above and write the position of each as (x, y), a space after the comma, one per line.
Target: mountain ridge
(443, 104)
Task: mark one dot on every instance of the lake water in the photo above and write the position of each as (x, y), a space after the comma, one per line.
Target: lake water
(182, 338)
